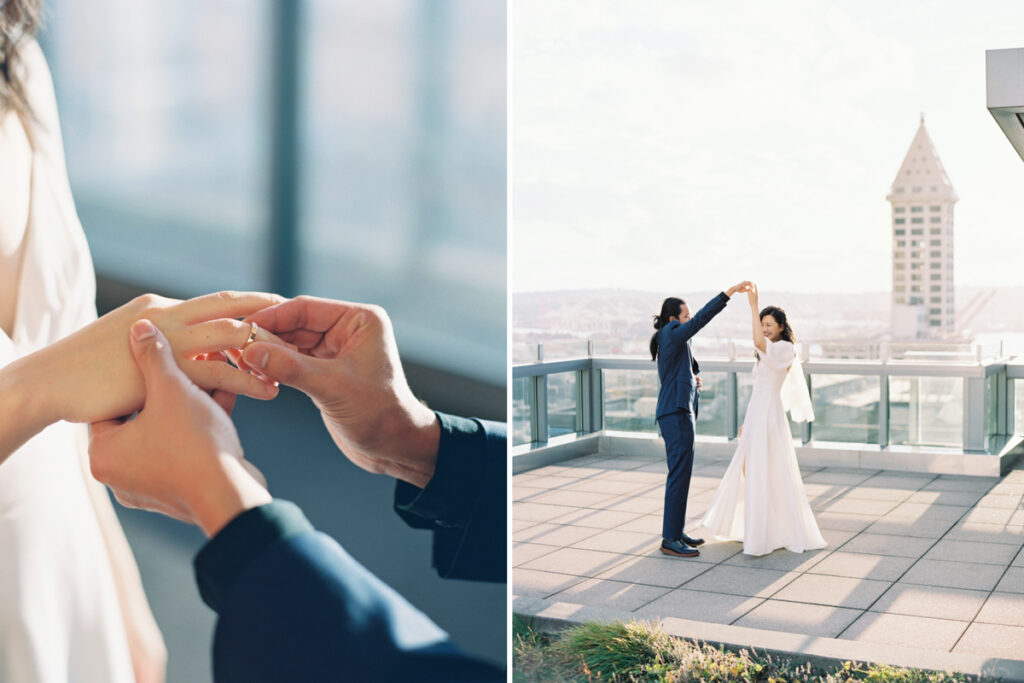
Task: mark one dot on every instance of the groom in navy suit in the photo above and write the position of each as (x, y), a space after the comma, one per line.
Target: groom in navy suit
(677, 408)
(292, 605)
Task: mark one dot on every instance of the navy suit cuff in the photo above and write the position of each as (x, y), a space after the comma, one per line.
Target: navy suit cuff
(226, 555)
(446, 500)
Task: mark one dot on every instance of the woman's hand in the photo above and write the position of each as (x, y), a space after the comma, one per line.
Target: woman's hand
(90, 375)
(752, 297)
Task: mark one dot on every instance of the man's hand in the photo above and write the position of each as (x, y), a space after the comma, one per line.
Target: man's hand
(180, 455)
(700, 384)
(741, 287)
(347, 362)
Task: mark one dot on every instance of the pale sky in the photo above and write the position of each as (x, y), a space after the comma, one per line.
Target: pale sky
(680, 146)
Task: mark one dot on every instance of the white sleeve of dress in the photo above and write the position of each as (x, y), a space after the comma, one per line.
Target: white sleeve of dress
(795, 396)
(779, 354)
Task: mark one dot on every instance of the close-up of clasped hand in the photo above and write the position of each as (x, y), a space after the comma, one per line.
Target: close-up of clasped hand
(153, 380)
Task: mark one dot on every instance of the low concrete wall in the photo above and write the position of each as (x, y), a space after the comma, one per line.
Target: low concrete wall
(551, 616)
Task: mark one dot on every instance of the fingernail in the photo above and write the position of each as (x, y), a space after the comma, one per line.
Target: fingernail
(142, 329)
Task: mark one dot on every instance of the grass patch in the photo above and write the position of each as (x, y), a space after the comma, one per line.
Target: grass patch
(639, 651)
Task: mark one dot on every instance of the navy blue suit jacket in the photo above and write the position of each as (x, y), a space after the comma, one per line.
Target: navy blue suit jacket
(676, 366)
(294, 606)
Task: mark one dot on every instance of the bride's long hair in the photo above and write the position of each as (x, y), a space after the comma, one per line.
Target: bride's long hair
(670, 308)
(19, 19)
(781, 320)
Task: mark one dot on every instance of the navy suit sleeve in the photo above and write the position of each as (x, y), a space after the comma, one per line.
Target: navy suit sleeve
(464, 502)
(294, 606)
(694, 325)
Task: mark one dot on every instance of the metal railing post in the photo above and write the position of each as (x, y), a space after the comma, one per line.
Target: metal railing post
(732, 399)
(540, 402)
(974, 414)
(883, 411)
(1000, 399)
(1010, 405)
(806, 430)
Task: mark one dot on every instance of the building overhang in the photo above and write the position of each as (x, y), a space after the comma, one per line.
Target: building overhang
(1004, 86)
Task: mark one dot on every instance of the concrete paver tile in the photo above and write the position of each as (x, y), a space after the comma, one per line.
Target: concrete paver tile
(655, 571)
(839, 591)
(970, 575)
(992, 640)
(957, 604)
(814, 620)
(882, 544)
(576, 561)
(1003, 608)
(540, 584)
(623, 542)
(734, 580)
(613, 594)
(717, 608)
(971, 551)
(862, 566)
(906, 631)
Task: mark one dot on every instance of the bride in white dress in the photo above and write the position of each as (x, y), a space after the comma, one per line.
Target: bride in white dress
(72, 607)
(761, 499)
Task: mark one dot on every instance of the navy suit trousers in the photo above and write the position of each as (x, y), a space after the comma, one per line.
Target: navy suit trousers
(678, 431)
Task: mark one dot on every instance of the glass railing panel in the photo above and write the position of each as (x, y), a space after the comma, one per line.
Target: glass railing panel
(630, 397)
(522, 411)
(713, 411)
(563, 404)
(845, 408)
(926, 411)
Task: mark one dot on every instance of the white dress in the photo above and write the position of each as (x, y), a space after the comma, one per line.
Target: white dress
(60, 620)
(767, 508)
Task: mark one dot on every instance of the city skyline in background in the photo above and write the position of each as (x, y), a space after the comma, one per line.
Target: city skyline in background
(680, 149)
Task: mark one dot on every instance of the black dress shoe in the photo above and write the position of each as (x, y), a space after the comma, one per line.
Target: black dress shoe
(692, 541)
(678, 548)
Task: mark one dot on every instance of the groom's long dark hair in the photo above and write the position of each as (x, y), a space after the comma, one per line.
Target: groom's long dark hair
(670, 308)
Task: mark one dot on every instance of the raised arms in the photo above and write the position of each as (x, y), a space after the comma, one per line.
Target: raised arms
(759, 343)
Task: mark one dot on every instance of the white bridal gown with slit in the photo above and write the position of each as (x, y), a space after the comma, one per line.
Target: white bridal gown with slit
(60, 620)
(767, 508)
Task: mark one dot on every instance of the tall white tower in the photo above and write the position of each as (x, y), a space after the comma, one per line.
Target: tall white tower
(922, 200)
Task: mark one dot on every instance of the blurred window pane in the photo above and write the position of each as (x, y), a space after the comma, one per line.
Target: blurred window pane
(404, 171)
(166, 115)
(163, 111)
